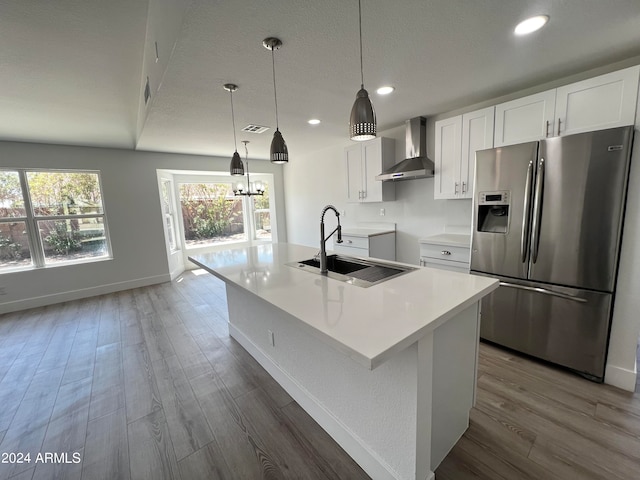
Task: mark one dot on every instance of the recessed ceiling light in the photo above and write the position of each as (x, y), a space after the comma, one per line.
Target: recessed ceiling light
(385, 90)
(530, 25)
(313, 121)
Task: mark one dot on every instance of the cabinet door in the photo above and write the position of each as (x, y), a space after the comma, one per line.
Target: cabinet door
(371, 166)
(526, 119)
(353, 158)
(377, 156)
(448, 149)
(607, 101)
(477, 134)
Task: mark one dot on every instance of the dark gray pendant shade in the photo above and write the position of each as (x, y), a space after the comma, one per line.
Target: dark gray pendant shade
(236, 168)
(362, 123)
(279, 151)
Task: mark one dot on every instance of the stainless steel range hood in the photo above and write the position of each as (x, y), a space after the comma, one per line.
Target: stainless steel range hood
(416, 165)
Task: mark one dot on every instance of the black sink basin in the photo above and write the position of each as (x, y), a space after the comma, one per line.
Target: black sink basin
(356, 271)
(336, 264)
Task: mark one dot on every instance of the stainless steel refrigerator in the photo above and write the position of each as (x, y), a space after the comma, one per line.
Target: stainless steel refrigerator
(547, 222)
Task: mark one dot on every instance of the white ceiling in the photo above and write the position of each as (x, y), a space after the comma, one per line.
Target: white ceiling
(73, 71)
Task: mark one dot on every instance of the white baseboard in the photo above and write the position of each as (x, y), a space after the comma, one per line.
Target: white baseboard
(351, 443)
(43, 300)
(620, 377)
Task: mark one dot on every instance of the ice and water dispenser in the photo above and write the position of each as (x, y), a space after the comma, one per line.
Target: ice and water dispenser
(493, 211)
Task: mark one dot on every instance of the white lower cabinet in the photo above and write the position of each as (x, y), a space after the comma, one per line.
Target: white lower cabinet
(446, 252)
(362, 244)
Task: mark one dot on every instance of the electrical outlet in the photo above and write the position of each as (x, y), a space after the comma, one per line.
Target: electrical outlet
(343, 213)
(382, 212)
(272, 339)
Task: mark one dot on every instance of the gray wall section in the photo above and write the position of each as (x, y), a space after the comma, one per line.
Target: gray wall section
(132, 205)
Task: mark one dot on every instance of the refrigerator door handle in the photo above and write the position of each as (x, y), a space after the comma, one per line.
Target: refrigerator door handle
(537, 211)
(524, 236)
(543, 290)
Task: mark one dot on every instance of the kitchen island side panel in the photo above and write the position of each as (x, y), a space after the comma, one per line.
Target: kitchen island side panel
(375, 409)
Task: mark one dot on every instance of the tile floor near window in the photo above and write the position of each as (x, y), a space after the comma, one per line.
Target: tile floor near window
(147, 384)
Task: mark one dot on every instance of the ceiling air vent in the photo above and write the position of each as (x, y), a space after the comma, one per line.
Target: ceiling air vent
(255, 128)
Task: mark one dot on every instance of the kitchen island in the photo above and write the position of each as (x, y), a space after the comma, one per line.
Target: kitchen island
(388, 371)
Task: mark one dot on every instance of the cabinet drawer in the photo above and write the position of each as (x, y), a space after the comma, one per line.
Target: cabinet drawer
(352, 241)
(353, 251)
(445, 264)
(445, 252)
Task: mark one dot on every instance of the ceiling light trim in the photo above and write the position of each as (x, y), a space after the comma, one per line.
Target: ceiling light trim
(531, 24)
(385, 90)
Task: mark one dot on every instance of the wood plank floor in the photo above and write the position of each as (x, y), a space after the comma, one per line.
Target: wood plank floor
(147, 384)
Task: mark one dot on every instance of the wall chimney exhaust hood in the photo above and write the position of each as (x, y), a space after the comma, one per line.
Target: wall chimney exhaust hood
(416, 165)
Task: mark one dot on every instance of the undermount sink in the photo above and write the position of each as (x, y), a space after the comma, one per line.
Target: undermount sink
(336, 264)
(356, 271)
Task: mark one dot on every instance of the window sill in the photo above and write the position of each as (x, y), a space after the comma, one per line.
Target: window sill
(55, 265)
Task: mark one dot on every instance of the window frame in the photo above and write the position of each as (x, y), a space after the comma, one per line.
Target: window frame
(171, 215)
(36, 245)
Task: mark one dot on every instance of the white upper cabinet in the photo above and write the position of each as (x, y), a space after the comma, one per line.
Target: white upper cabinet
(457, 140)
(448, 151)
(606, 101)
(525, 119)
(477, 134)
(353, 158)
(364, 161)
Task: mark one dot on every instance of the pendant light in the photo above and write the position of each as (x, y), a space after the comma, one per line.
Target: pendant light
(236, 167)
(279, 152)
(362, 124)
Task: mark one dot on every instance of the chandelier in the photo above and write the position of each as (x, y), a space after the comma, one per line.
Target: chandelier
(252, 188)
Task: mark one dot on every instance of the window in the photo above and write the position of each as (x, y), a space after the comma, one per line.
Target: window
(169, 212)
(262, 215)
(212, 215)
(51, 217)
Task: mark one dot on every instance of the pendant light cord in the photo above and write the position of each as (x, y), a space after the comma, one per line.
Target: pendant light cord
(360, 23)
(246, 161)
(275, 94)
(233, 120)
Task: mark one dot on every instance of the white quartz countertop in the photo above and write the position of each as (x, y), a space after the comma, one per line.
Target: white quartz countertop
(365, 232)
(367, 324)
(449, 239)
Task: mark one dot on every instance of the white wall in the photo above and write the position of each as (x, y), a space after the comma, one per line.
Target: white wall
(621, 368)
(132, 206)
(319, 178)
